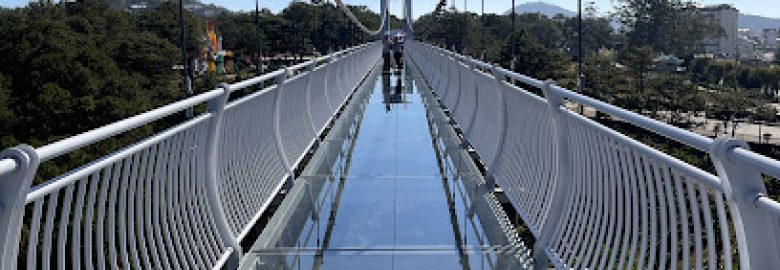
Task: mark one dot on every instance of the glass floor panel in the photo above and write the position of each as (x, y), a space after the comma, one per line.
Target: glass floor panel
(380, 193)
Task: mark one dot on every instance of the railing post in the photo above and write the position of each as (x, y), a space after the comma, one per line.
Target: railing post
(12, 201)
(563, 169)
(501, 78)
(217, 109)
(326, 83)
(279, 80)
(310, 70)
(756, 231)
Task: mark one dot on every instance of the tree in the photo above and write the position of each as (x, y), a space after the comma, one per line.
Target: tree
(673, 93)
(672, 27)
(765, 112)
(543, 29)
(6, 115)
(76, 67)
(604, 80)
(534, 59)
(640, 63)
(598, 34)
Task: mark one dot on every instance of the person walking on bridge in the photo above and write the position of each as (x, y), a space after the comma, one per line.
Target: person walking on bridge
(398, 48)
(387, 46)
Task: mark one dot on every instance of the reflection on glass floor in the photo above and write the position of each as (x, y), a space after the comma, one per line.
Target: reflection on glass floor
(389, 188)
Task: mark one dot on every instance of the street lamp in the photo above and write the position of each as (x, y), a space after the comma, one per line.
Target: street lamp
(514, 41)
(482, 19)
(186, 83)
(579, 50)
(259, 45)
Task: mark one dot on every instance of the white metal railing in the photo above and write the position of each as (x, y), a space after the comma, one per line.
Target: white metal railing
(595, 198)
(185, 197)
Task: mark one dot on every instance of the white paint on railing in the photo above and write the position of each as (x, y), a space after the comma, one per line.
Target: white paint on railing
(595, 198)
(179, 199)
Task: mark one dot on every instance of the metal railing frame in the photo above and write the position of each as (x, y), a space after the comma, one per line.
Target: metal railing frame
(756, 217)
(18, 165)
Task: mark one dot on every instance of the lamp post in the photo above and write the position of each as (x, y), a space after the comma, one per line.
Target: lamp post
(482, 19)
(186, 83)
(514, 39)
(465, 25)
(259, 45)
(579, 53)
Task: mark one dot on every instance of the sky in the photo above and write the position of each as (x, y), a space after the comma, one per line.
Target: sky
(768, 8)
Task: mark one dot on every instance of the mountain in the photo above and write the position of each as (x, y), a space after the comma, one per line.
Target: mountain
(549, 10)
(757, 24)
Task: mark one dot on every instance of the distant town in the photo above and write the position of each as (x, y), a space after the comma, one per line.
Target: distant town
(739, 43)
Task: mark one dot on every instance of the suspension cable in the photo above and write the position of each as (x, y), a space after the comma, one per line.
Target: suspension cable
(360, 25)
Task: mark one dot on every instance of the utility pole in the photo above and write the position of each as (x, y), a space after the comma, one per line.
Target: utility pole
(465, 25)
(186, 83)
(259, 45)
(579, 52)
(514, 41)
(483, 29)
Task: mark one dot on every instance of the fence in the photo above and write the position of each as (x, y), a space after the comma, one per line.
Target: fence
(185, 197)
(594, 197)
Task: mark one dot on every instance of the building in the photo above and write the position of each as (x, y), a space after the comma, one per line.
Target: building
(770, 38)
(726, 16)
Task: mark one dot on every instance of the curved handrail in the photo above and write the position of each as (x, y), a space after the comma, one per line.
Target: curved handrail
(56, 149)
(584, 189)
(217, 172)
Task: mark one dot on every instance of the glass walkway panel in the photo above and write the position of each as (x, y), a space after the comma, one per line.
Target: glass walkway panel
(389, 188)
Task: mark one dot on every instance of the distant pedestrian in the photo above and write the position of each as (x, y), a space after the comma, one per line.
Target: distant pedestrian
(386, 48)
(398, 48)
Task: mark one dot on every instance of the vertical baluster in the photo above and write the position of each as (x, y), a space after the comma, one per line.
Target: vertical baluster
(32, 242)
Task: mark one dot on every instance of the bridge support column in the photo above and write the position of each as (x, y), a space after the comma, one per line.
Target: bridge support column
(217, 108)
(12, 201)
(757, 232)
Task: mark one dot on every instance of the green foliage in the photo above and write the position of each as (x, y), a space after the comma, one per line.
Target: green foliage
(546, 31)
(639, 61)
(163, 22)
(301, 28)
(765, 113)
(727, 105)
(726, 74)
(598, 34)
(672, 27)
(535, 59)
(536, 39)
(6, 115)
(78, 66)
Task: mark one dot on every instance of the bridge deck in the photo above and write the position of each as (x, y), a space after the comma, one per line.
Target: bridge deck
(380, 195)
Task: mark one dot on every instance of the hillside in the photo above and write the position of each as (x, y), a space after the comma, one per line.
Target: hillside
(757, 23)
(549, 10)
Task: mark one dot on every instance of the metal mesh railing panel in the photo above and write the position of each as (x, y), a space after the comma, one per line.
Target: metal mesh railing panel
(629, 206)
(251, 168)
(142, 207)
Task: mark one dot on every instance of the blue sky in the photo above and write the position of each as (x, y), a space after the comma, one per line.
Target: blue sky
(769, 8)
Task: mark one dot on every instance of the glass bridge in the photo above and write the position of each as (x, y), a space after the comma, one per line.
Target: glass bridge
(389, 188)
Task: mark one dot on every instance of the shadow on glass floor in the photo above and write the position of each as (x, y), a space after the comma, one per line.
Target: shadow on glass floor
(389, 188)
